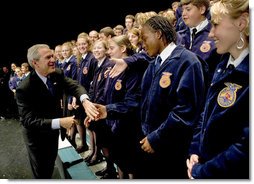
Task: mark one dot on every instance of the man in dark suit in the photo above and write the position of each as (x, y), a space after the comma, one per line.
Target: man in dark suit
(40, 109)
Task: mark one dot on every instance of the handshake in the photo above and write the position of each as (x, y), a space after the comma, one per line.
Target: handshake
(102, 114)
(93, 111)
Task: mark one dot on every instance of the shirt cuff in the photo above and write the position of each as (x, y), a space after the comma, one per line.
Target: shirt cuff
(55, 123)
(84, 96)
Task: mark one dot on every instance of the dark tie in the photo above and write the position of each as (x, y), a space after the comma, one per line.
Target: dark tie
(194, 31)
(157, 63)
(229, 69)
(50, 86)
(193, 34)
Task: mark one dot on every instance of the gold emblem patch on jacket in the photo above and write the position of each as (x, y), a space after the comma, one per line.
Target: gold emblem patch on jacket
(227, 95)
(118, 85)
(165, 80)
(205, 47)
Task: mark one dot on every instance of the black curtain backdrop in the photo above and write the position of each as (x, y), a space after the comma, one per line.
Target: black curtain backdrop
(24, 24)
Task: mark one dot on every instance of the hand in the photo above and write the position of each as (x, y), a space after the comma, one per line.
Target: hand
(119, 67)
(190, 163)
(70, 107)
(102, 111)
(67, 122)
(61, 103)
(74, 103)
(90, 109)
(146, 145)
(68, 132)
(87, 122)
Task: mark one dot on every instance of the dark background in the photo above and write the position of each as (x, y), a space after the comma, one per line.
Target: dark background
(53, 22)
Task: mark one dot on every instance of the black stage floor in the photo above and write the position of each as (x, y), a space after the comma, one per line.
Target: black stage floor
(14, 162)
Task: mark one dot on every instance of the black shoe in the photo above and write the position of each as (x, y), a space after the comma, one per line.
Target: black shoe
(95, 161)
(73, 142)
(101, 172)
(109, 175)
(88, 158)
(81, 149)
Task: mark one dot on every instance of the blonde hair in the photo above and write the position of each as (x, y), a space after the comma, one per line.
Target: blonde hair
(123, 40)
(232, 8)
(170, 15)
(141, 17)
(85, 36)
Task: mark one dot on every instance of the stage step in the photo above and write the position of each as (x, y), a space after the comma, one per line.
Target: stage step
(70, 164)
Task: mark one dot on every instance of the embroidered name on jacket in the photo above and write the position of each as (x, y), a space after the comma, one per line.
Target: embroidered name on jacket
(227, 95)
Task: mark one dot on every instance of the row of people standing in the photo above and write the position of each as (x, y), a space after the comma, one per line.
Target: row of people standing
(5, 93)
(18, 74)
(160, 107)
(169, 98)
(225, 110)
(194, 16)
(10, 80)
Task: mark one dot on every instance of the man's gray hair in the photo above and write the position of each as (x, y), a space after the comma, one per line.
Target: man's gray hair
(33, 54)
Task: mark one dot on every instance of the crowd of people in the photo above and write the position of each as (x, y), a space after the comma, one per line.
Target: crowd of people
(170, 88)
(10, 80)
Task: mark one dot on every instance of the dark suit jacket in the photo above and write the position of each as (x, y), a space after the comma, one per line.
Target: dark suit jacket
(37, 107)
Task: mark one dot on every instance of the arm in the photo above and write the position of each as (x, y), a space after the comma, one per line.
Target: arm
(130, 101)
(235, 159)
(194, 146)
(30, 119)
(37, 109)
(128, 104)
(26, 108)
(79, 92)
(135, 60)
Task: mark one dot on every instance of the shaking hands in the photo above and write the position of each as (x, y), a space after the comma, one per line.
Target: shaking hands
(102, 114)
(68, 122)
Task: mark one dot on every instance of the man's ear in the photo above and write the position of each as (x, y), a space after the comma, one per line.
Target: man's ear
(34, 62)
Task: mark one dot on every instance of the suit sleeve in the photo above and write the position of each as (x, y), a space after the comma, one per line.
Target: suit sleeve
(36, 108)
(72, 88)
(30, 118)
